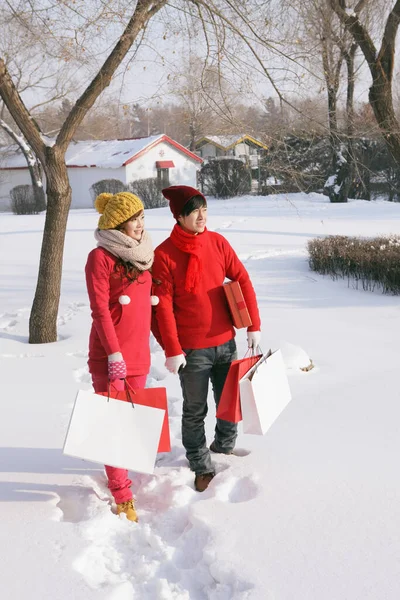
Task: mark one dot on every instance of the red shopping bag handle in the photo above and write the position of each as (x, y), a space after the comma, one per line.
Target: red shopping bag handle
(253, 351)
(128, 391)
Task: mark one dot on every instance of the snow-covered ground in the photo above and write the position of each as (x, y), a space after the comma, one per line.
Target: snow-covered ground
(310, 511)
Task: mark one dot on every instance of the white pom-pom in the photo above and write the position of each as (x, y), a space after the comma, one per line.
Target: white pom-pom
(154, 300)
(124, 299)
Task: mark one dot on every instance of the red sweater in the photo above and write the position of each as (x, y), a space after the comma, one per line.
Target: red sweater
(117, 327)
(202, 320)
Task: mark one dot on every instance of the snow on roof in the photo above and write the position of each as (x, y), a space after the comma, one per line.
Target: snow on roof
(226, 141)
(107, 154)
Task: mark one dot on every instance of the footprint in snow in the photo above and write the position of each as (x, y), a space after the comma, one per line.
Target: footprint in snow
(7, 324)
(75, 504)
(226, 225)
(233, 489)
(156, 374)
(78, 354)
(25, 355)
(71, 311)
(82, 375)
(9, 320)
(175, 427)
(174, 407)
(241, 452)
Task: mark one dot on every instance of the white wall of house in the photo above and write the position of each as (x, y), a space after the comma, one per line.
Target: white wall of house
(209, 151)
(82, 178)
(184, 172)
(241, 149)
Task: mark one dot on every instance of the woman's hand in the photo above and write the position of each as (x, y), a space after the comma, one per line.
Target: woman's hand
(116, 366)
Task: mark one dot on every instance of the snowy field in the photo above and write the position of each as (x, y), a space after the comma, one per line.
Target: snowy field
(310, 511)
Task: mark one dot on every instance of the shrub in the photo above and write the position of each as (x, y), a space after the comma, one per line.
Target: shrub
(371, 263)
(149, 191)
(24, 202)
(111, 186)
(225, 177)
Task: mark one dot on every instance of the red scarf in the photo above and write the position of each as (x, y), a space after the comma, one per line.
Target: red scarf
(193, 245)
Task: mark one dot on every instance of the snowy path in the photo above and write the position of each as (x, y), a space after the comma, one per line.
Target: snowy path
(310, 511)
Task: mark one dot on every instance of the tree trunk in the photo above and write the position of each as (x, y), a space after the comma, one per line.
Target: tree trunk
(380, 98)
(334, 185)
(381, 65)
(33, 166)
(332, 115)
(43, 318)
(38, 191)
(350, 156)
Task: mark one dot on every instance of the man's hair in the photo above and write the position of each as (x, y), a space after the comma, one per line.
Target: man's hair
(193, 204)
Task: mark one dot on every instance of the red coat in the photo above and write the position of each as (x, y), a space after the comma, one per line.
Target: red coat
(117, 327)
(202, 320)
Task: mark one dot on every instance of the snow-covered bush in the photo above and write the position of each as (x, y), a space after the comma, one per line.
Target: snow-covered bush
(23, 201)
(225, 177)
(149, 191)
(372, 263)
(111, 186)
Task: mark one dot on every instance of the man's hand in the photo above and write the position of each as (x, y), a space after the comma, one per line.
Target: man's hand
(174, 363)
(253, 339)
(116, 366)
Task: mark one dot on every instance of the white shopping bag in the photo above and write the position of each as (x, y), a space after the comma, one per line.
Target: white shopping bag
(264, 393)
(113, 432)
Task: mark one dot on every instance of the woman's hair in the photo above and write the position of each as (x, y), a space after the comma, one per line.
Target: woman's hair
(135, 216)
(123, 267)
(193, 204)
(128, 270)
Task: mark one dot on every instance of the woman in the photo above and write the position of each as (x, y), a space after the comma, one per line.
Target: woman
(118, 281)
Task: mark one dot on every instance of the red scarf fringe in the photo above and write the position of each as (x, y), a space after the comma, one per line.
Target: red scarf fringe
(193, 245)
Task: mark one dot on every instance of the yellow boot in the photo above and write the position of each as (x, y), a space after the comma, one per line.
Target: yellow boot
(129, 509)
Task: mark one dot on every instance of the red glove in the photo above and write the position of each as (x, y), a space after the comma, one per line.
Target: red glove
(116, 367)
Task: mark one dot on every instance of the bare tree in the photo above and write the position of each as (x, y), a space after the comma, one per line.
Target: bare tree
(204, 94)
(34, 166)
(24, 61)
(328, 46)
(43, 319)
(380, 63)
(216, 17)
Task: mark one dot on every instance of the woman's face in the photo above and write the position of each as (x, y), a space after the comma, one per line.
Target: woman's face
(134, 227)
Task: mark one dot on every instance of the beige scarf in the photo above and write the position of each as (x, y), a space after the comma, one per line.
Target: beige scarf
(139, 253)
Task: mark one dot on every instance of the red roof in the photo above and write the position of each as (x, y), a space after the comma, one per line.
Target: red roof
(170, 141)
(165, 164)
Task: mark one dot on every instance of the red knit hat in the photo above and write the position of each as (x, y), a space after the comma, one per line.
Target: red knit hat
(178, 196)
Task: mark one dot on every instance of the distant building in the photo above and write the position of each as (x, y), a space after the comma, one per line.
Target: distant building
(245, 147)
(91, 161)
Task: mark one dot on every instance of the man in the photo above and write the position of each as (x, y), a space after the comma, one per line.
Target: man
(194, 323)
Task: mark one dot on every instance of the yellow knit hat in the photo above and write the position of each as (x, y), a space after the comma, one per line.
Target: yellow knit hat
(116, 208)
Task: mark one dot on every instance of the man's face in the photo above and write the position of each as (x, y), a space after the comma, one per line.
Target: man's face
(196, 221)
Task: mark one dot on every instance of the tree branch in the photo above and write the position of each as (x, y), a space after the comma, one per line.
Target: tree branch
(386, 53)
(145, 10)
(357, 29)
(19, 112)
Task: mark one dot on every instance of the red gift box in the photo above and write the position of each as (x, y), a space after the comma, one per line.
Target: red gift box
(237, 305)
(154, 397)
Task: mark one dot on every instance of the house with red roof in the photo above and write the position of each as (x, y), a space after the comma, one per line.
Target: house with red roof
(91, 161)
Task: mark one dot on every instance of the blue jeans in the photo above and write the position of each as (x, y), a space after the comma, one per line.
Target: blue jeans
(201, 367)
